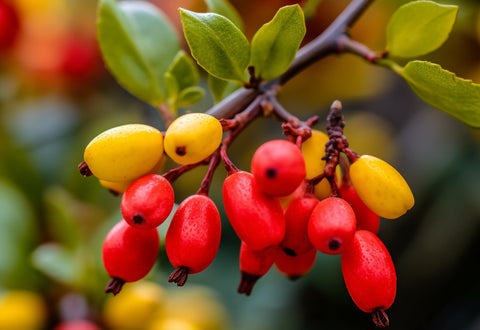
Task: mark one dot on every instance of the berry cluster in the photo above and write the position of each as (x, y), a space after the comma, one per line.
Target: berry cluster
(304, 194)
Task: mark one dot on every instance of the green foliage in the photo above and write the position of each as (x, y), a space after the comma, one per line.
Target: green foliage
(138, 45)
(56, 261)
(217, 45)
(184, 70)
(224, 8)
(189, 96)
(445, 91)
(419, 27)
(220, 88)
(275, 44)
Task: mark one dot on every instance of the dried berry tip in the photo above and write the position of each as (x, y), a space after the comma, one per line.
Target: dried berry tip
(380, 318)
(247, 282)
(181, 151)
(84, 169)
(114, 285)
(179, 275)
(271, 173)
(138, 219)
(289, 252)
(334, 244)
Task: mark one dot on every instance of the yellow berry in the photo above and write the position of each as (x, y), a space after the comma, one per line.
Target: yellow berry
(125, 152)
(313, 150)
(381, 187)
(171, 323)
(22, 310)
(323, 189)
(192, 137)
(136, 307)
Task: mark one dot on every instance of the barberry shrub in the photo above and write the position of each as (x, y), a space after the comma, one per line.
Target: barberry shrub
(305, 193)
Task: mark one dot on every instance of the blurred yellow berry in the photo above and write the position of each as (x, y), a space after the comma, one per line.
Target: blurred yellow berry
(135, 307)
(125, 152)
(22, 310)
(381, 187)
(171, 323)
(192, 137)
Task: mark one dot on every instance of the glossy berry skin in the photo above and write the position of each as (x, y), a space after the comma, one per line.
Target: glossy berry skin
(124, 152)
(148, 201)
(193, 236)
(295, 267)
(297, 215)
(381, 187)
(278, 167)
(192, 137)
(313, 149)
(369, 272)
(332, 225)
(129, 253)
(366, 218)
(257, 218)
(253, 265)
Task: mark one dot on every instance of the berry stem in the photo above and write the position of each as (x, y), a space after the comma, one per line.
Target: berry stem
(207, 180)
(247, 282)
(176, 172)
(114, 285)
(179, 275)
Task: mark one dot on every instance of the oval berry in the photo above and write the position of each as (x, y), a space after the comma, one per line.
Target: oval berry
(297, 214)
(192, 137)
(128, 254)
(295, 267)
(256, 218)
(331, 225)
(193, 237)
(381, 187)
(253, 265)
(313, 150)
(148, 201)
(123, 153)
(369, 275)
(366, 218)
(278, 167)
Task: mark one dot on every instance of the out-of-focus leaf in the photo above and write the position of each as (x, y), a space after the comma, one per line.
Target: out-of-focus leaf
(17, 236)
(443, 90)
(56, 262)
(419, 27)
(189, 96)
(220, 88)
(184, 70)
(217, 45)
(275, 44)
(138, 45)
(225, 8)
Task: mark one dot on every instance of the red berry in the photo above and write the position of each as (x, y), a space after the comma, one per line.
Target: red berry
(278, 167)
(128, 254)
(369, 275)
(9, 25)
(297, 214)
(256, 218)
(253, 265)
(148, 201)
(331, 225)
(295, 266)
(193, 237)
(366, 218)
(77, 325)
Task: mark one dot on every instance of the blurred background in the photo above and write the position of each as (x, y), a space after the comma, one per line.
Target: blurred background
(56, 95)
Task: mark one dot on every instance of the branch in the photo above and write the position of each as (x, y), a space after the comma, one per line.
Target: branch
(321, 46)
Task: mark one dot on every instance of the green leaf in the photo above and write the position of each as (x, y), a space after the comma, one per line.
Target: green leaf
(419, 27)
(440, 88)
(275, 44)
(184, 70)
(224, 8)
(56, 262)
(217, 45)
(189, 96)
(220, 88)
(138, 45)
